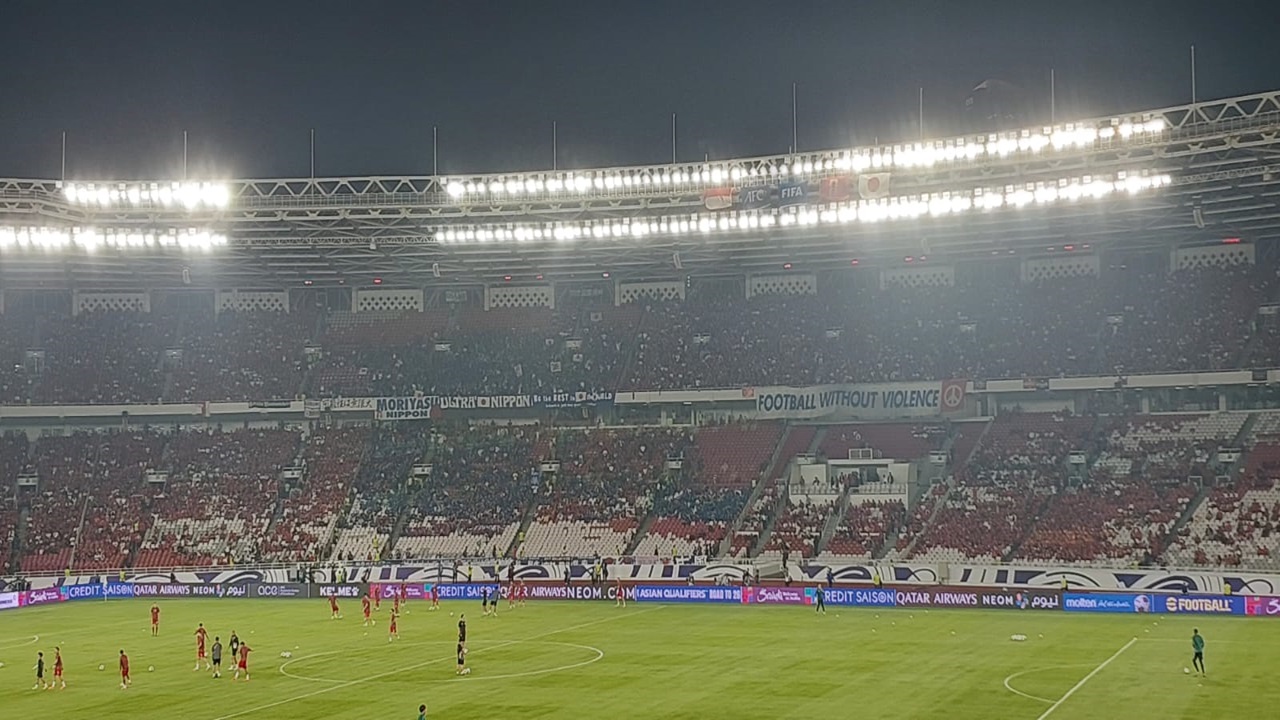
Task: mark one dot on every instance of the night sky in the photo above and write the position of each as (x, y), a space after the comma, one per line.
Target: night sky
(249, 80)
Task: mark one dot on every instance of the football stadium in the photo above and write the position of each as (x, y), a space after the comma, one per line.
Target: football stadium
(977, 423)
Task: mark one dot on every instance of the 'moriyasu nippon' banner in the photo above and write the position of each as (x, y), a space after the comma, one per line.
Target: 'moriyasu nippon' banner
(860, 402)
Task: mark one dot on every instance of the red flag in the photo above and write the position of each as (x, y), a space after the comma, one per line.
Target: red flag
(835, 189)
(718, 198)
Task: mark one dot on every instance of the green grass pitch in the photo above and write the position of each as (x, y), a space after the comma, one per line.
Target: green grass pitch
(556, 660)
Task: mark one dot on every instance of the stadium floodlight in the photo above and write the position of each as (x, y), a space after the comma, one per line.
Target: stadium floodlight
(455, 189)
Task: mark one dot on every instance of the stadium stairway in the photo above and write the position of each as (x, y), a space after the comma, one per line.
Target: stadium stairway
(838, 509)
(1240, 441)
(633, 545)
(13, 557)
(84, 511)
(526, 519)
(396, 530)
(767, 480)
(763, 541)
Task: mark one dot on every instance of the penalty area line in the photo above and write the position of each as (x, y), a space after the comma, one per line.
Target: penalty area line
(371, 678)
(1086, 679)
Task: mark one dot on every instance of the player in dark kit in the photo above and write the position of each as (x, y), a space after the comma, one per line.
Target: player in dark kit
(217, 657)
(821, 597)
(40, 684)
(1197, 646)
(462, 628)
(234, 645)
(462, 660)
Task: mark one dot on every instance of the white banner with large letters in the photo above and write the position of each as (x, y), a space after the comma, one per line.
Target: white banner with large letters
(882, 401)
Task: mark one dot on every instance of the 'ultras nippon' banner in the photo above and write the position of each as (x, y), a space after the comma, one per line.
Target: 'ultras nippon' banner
(861, 402)
(422, 407)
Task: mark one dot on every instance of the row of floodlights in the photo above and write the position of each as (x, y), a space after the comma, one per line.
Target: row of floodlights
(90, 239)
(863, 211)
(897, 157)
(189, 195)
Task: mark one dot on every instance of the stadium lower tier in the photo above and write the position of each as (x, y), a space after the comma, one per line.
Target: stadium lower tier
(1186, 489)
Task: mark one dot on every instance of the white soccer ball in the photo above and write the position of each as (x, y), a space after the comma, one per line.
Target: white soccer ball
(286, 654)
(102, 667)
(151, 668)
(1186, 670)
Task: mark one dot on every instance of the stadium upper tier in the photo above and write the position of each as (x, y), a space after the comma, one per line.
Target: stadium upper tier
(1079, 318)
(1158, 176)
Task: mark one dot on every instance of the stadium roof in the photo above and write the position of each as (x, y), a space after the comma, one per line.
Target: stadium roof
(1219, 161)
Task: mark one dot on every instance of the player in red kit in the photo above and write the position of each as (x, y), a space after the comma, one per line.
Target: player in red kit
(243, 664)
(155, 619)
(366, 606)
(124, 671)
(333, 608)
(404, 597)
(435, 597)
(395, 601)
(394, 632)
(524, 592)
(201, 635)
(57, 669)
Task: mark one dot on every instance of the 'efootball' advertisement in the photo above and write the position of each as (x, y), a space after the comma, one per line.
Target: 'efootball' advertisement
(1140, 603)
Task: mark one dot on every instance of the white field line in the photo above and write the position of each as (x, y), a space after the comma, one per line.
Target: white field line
(397, 671)
(1086, 679)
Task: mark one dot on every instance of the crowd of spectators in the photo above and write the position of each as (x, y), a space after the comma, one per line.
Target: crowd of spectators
(238, 356)
(382, 492)
(1133, 318)
(220, 496)
(479, 487)
(308, 511)
(864, 529)
(1020, 462)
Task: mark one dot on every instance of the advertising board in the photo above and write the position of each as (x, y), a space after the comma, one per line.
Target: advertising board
(687, 594)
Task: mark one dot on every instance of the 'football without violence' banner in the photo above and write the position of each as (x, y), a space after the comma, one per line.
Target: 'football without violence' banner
(861, 402)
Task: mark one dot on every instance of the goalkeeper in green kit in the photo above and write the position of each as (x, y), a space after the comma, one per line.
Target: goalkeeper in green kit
(1197, 645)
